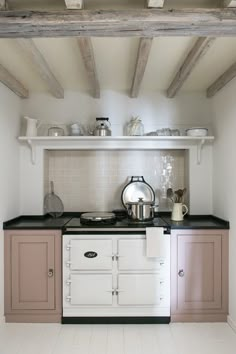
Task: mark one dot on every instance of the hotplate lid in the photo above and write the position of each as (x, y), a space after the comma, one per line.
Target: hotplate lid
(97, 216)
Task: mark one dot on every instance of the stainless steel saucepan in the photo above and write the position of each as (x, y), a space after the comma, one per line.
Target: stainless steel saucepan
(141, 210)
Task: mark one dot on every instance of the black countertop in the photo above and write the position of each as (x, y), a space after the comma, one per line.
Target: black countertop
(36, 222)
(197, 222)
(69, 220)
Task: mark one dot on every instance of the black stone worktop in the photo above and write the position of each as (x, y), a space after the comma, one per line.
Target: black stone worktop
(197, 222)
(36, 222)
(47, 222)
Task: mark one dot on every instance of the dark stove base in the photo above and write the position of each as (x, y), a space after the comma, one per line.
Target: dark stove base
(133, 222)
(115, 320)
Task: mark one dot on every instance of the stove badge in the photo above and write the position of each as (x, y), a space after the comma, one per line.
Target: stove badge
(90, 254)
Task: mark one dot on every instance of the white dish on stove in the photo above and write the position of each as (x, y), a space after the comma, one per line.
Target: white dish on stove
(197, 131)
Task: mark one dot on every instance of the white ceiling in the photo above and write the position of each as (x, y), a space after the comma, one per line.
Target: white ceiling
(115, 61)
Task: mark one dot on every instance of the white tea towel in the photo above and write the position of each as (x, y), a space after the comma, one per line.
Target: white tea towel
(156, 245)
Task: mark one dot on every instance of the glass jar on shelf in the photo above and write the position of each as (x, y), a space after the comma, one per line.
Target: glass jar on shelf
(56, 131)
(135, 127)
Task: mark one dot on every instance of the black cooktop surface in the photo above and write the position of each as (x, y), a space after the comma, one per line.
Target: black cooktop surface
(124, 223)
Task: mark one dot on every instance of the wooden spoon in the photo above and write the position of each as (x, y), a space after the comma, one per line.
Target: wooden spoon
(179, 194)
(169, 194)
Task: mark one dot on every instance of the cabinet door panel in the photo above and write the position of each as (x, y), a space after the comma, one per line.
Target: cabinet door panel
(31, 260)
(91, 289)
(82, 250)
(132, 256)
(200, 259)
(139, 289)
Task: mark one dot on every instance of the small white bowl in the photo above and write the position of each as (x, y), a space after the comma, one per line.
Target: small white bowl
(76, 132)
(197, 132)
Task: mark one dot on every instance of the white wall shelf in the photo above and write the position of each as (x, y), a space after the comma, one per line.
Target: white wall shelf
(115, 143)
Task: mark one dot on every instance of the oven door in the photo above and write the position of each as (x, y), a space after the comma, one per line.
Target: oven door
(90, 254)
(132, 257)
(139, 289)
(90, 289)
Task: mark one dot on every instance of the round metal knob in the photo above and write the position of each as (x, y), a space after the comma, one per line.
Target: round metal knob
(181, 273)
(50, 273)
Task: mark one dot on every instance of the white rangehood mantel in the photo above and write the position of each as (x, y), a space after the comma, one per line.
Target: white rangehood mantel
(115, 143)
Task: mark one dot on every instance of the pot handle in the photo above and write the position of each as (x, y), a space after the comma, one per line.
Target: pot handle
(137, 178)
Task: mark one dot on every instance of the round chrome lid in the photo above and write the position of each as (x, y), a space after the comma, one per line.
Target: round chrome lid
(140, 201)
(137, 189)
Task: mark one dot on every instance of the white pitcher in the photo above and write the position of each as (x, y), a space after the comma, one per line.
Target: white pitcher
(32, 126)
(178, 211)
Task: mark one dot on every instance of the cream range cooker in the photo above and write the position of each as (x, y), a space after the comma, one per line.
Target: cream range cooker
(108, 277)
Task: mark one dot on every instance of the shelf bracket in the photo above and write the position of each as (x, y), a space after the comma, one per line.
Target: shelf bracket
(199, 151)
(33, 151)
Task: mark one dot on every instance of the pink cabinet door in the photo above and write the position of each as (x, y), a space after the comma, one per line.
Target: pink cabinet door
(32, 273)
(199, 267)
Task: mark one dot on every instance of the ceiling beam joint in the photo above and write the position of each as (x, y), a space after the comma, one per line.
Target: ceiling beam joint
(74, 4)
(3, 5)
(228, 3)
(155, 3)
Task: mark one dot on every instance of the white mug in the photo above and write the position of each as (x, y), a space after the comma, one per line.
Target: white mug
(178, 211)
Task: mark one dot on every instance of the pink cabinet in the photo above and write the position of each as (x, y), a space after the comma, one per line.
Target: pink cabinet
(199, 275)
(33, 276)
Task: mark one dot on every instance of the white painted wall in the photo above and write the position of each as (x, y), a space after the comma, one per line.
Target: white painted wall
(94, 180)
(156, 111)
(224, 175)
(10, 107)
(154, 108)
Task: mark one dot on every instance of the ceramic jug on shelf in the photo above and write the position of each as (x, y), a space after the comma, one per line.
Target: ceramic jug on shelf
(178, 211)
(32, 126)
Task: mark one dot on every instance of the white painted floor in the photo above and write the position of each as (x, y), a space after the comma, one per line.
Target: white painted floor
(204, 338)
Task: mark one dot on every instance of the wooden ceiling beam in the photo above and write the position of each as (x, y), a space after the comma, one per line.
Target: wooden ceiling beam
(145, 45)
(41, 66)
(222, 81)
(155, 3)
(86, 50)
(228, 3)
(118, 23)
(196, 53)
(7, 79)
(74, 4)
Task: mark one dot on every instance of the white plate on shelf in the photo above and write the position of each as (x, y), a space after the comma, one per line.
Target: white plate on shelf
(197, 132)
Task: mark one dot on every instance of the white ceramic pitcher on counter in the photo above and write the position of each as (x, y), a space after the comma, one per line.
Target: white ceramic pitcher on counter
(178, 211)
(32, 126)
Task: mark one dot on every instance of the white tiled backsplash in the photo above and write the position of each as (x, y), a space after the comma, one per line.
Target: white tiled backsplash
(93, 180)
